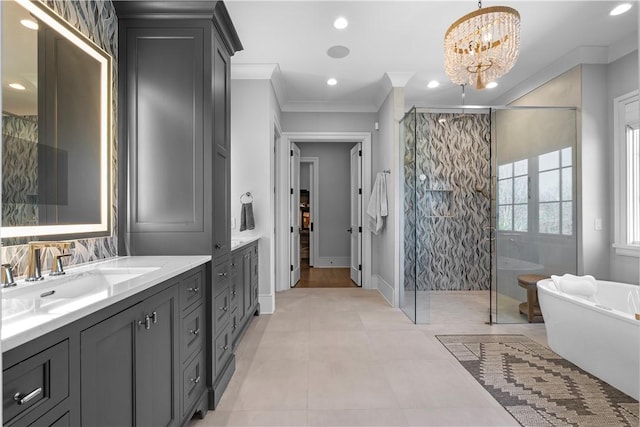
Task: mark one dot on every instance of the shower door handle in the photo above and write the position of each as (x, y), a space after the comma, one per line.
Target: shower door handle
(492, 234)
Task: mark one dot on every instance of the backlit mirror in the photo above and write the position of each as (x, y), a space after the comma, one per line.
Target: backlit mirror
(56, 114)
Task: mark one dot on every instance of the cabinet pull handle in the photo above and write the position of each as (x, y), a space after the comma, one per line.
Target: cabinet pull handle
(194, 290)
(233, 264)
(224, 347)
(218, 246)
(235, 326)
(146, 322)
(225, 308)
(154, 317)
(195, 380)
(234, 293)
(222, 274)
(21, 400)
(194, 331)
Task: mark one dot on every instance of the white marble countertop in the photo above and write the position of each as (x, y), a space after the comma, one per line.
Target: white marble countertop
(238, 242)
(32, 309)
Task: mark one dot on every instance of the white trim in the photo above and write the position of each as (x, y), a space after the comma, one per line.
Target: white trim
(386, 290)
(620, 177)
(282, 255)
(267, 304)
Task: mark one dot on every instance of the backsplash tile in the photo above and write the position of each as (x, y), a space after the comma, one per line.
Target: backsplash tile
(97, 20)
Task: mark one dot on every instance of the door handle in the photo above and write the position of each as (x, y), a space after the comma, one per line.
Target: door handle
(350, 229)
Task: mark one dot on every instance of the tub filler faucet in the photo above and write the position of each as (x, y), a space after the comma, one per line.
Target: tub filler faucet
(34, 272)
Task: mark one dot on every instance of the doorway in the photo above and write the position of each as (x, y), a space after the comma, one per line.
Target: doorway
(288, 186)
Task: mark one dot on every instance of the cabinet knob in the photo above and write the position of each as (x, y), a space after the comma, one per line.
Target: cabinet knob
(224, 347)
(218, 246)
(194, 332)
(195, 290)
(195, 380)
(225, 308)
(224, 274)
(21, 400)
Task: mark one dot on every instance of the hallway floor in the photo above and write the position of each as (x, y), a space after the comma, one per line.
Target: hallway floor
(324, 277)
(343, 357)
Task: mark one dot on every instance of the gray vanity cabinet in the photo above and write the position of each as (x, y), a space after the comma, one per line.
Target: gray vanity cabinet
(174, 117)
(128, 366)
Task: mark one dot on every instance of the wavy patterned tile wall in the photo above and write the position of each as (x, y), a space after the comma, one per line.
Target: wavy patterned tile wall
(97, 20)
(445, 217)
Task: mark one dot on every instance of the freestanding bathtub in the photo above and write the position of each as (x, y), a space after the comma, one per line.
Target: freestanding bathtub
(601, 337)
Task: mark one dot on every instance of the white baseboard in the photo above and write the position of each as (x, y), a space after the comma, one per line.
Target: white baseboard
(332, 262)
(385, 289)
(267, 303)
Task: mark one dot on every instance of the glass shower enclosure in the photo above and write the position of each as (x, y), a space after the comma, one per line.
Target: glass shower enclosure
(489, 195)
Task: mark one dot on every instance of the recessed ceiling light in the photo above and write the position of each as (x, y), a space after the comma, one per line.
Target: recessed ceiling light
(341, 23)
(620, 9)
(433, 84)
(332, 82)
(491, 85)
(30, 24)
(16, 86)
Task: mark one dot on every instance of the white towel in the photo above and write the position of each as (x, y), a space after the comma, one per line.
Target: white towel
(580, 286)
(377, 208)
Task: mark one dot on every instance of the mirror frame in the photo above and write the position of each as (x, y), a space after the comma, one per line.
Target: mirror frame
(103, 228)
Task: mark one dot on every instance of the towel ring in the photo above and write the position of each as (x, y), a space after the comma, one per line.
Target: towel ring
(248, 195)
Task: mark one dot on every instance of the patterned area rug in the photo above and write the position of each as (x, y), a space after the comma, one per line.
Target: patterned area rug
(538, 387)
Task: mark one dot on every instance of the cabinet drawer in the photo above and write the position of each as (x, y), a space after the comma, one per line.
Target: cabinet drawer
(222, 350)
(221, 275)
(221, 308)
(193, 383)
(192, 333)
(191, 291)
(37, 384)
(51, 419)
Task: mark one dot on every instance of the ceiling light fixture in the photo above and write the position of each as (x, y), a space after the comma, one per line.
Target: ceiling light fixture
(16, 86)
(433, 84)
(30, 24)
(482, 45)
(341, 23)
(491, 85)
(332, 82)
(620, 9)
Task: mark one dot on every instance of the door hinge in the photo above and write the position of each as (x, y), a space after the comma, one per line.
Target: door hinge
(360, 191)
(311, 227)
(360, 229)
(291, 153)
(360, 153)
(291, 192)
(359, 267)
(292, 229)
(291, 267)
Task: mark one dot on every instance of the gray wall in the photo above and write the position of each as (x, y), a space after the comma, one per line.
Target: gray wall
(305, 181)
(333, 198)
(622, 78)
(253, 111)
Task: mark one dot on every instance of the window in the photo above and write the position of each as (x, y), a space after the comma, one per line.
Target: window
(627, 174)
(513, 196)
(555, 192)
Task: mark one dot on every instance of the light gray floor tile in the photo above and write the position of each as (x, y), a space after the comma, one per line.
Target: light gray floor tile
(472, 417)
(340, 345)
(356, 418)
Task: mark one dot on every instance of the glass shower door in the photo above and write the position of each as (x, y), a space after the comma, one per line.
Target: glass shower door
(533, 206)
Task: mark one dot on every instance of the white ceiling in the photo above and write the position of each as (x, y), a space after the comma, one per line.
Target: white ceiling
(402, 42)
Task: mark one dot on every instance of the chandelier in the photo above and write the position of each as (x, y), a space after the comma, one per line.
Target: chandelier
(482, 45)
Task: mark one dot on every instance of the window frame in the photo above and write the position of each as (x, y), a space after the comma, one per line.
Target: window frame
(620, 244)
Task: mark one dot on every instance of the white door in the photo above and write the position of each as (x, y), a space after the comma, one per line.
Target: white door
(294, 245)
(355, 227)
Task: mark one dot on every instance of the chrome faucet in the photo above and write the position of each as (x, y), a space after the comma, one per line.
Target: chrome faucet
(7, 276)
(34, 272)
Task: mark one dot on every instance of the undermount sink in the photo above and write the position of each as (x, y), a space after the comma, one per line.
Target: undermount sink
(67, 293)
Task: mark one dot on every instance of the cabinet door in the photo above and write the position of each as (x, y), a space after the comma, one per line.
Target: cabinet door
(167, 110)
(221, 140)
(157, 361)
(107, 361)
(246, 280)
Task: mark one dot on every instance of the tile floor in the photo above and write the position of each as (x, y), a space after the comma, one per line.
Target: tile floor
(344, 357)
